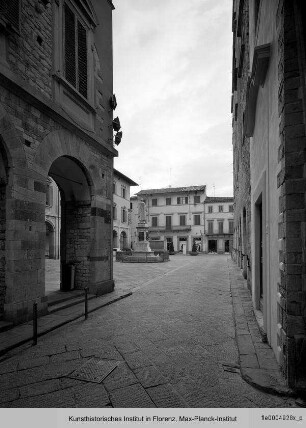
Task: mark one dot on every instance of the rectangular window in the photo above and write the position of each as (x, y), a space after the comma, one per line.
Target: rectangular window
(114, 213)
(154, 202)
(196, 199)
(123, 192)
(231, 208)
(154, 221)
(197, 219)
(182, 200)
(123, 215)
(9, 13)
(168, 201)
(131, 206)
(75, 52)
(210, 209)
(210, 227)
(220, 208)
(230, 226)
(220, 226)
(168, 222)
(182, 220)
(114, 188)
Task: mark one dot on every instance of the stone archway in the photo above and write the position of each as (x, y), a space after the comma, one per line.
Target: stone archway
(74, 184)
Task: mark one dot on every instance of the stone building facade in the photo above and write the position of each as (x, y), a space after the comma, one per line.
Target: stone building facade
(55, 120)
(121, 210)
(182, 216)
(219, 225)
(272, 123)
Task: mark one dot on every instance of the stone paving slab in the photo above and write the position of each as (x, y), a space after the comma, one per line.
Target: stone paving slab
(132, 396)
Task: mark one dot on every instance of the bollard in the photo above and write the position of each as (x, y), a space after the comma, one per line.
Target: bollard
(35, 323)
(86, 302)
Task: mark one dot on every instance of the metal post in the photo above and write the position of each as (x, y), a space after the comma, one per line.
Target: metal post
(86, 302)
(35, 323)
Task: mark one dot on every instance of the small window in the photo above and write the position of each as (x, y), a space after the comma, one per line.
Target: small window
(154, 202)
(210, 227)
(182, 220)
(154, 221)
(220, 208)
(220, 226)
(231, 208)
(230, 226)
(197, 199)
(123, 192)
(114, 213)
(182, 200)
(131, 206)
(168, 201)
(210, 209)
(197, 219)
(123, 215)
(114, 188)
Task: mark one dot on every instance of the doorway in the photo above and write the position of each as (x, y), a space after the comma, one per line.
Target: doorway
(212, 245)
(227, 246)
(74, 223)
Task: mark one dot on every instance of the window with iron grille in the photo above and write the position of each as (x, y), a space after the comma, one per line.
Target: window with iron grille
(75, 52)
(154, 221)
(197, 219)
(182, 220)
(168, 201)
(154, 202)
(10, 14)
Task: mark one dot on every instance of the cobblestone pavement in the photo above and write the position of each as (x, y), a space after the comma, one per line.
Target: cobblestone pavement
(170, 344)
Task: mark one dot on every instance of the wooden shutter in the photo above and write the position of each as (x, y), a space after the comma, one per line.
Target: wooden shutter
(82, 60)
(70, 63)
(9, 11)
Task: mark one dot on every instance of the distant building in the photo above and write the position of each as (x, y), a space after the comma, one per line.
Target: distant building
(219, 224)
(121, 210)
(177, 216)
(269, 146)
(52, 220)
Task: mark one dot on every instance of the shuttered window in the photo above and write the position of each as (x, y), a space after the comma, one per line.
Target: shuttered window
(75, 52)
(9, 12)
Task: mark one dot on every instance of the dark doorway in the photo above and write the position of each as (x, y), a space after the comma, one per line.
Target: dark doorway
(212, 246)
(226, 246)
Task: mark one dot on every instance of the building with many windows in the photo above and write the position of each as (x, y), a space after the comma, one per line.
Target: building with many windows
(121, 211)
(219, 224)
(176, 216)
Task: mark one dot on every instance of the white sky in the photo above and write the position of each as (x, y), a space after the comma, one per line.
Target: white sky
(172, 80)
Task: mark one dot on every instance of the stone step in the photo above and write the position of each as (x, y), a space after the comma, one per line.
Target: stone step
(72, 301)
(54, 299)
(5, 325)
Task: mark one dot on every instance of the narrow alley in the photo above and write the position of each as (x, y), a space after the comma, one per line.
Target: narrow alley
(170, 344)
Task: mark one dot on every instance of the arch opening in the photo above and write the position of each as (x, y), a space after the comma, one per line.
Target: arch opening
(69, 205)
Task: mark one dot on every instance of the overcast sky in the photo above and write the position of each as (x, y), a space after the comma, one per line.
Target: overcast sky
(172, 80)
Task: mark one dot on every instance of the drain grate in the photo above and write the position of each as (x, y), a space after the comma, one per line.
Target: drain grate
(94, 370)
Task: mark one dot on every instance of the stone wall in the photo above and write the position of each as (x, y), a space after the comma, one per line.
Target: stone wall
(292, 181)
(241, 144)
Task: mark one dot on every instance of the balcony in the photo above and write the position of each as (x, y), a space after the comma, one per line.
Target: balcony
(163, 229)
